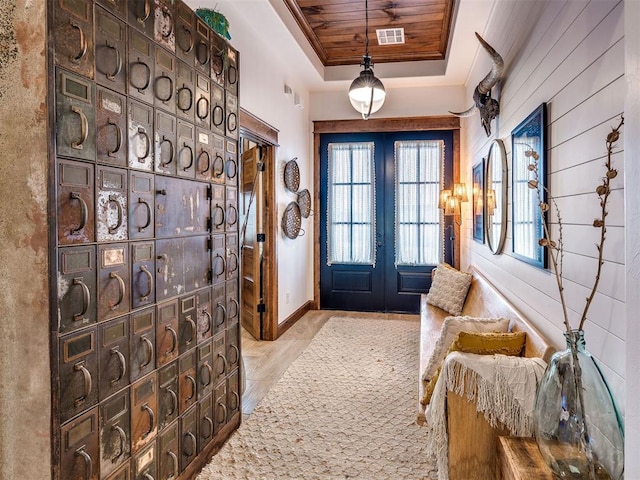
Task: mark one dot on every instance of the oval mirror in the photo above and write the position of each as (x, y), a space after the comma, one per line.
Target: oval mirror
(496, 196)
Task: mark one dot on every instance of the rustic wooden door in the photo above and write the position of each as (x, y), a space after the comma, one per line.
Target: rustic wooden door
(251, 251)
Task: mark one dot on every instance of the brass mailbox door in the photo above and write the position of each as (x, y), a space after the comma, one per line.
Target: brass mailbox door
(187, 316)
(141, 16)
(111, 127)
(185, 34)
(205, 421)
(75, 116)
(164, 81)
(142, 274)
(111, 204)
(232, 124)
(232, 256)
(233, 393)
(233, 346)
(202, 101)
(217, 109)
(144, 412)
(188, 442)
(233, 307)
(75, 202)
(80, 445)
(217, 168)
(115, 432)
(141, 65)
(219, 309)
(204, 154)
(165, 143)
(166, 332)
(220, 364)
(117, 7)
(185, 91)
(205, 319)
(167, 395)
(165, 24)
(140, 136)
(144, 464)
(186, 150)
(78, 374)
(73, 36)
(218, 53)
(113, 356)
(218, 258)
(142, 196)
(187, 380)
(113, 280)
(220, 412)
(143, 343)
(77, 287)
(231, 163)
(205, 369)
(218, 209)
(202, 53)
(111, 51)
(168, 451)
(169, 267)
(231, 81)
(182, 207)
(231, 212)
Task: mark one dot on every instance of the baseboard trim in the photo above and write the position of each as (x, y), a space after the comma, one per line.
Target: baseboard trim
(294, 317)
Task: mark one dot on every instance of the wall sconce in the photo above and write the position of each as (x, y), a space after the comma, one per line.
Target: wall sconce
(450, 201)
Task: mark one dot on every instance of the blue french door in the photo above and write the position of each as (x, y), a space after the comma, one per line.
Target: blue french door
(381, 230)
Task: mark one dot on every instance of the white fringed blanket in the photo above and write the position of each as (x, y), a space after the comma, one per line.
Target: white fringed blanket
(503, 388)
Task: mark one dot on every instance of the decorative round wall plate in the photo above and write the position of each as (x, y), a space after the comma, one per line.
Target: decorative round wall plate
(304, 200)
(291, 220)
(292, 175)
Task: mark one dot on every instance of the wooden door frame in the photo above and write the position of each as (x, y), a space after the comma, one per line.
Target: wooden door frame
(378, 125)
(253, 128)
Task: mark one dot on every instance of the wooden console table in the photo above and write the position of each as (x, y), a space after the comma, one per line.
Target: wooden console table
(520, 459)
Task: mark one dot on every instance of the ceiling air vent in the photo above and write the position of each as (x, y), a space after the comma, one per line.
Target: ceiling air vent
(390, 36)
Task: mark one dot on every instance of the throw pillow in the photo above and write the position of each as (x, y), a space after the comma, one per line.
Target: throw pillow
(449, 289)
(480, 343)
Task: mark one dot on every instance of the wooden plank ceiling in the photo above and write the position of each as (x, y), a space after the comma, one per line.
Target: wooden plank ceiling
(335, 28)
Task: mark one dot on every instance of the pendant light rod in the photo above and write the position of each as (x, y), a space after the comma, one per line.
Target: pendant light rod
(366, 28)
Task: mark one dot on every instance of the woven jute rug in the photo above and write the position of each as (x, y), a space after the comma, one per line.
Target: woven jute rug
(345, 408)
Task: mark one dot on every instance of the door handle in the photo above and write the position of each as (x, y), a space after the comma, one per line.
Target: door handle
(209, 320)
(170, 89)
(235, 302)
(209, 372)
(224, 267)
(204, 152)
(86, 375)
(193, 387)
(123, 365)
(224, 413)
(187, 146)
(202, 47)
(218, 108)
(149, 347)
(237, 350)
(192, 327)
(83, 44)
(224, 314)
(114, 199)
(237, 403)
(147, 273)
(147, 12)
(179, 97)
(192, 437)
(206, 108)
(210, 423)
(167, 14)
(147, 144)
(165, 139)
(221, 210)
(123, 439)
(174, 339)
(234, 217)
(218, 171)
(84, 212)
(152, 419)
(86, 298)
(224, 364)
(233, 255)
(84, 128)
(232, 125)
(88, 464)
(174, 459)
(190, 45)
(143, 228)
(143, 87)
(121, 289)
(174, 402)
(112, 153)
(112, 76)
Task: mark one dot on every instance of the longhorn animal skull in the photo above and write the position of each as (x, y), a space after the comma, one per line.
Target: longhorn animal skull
(488, 107)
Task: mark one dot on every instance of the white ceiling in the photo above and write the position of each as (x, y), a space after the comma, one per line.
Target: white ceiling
(274, 25)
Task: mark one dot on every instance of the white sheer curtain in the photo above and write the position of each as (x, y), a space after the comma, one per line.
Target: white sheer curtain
(351, 203)
(418, 172)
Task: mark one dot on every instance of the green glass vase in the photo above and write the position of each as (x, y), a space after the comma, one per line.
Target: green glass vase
(577, 426)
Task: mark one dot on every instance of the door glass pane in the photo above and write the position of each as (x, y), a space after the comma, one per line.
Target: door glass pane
(351, 203)
(419, 166)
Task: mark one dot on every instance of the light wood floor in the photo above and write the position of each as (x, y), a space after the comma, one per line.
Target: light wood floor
(266, 361)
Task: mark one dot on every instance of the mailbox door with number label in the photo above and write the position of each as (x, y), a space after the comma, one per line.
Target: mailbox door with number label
(233, 393)
(205, 369)
(220, 411)
(141, 16)
(202, 53)
(231, 213)
(218, 54)
(186, 150)
(232, 124)
(185, 91)
(202, 101)
(115, 432)
(77, 287)
(140, 136)
(141, 205)
(188, 316)
(75, 116)
(142, 68)
(220, 364)
(188, 387)
(113, 280)
(218, 258)
(218, 165)
(185, 34)
(78, 373)
(144, 464)
(220, 311)
(233, 306)
(204, 154)
(80, 445)
(231, 80)
(167, 332)
(165, 143)
(73, 36)
(233, 346)
(112, 222)
(111, 51)
(144, 412)
(111, 127)
(168, 408)
(75, 202)
(113, 356)
(233, 262)
(217, 109)
(164, 82)
(142, 273)
(231, 163)
(165, 24)
(205, 318)
(205, 421)
(188, 437)
(168, 452)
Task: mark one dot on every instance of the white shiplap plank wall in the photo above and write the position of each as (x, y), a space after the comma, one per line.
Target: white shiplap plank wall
(572, 59)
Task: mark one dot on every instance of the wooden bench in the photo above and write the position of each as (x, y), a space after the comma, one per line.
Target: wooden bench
(472, 441)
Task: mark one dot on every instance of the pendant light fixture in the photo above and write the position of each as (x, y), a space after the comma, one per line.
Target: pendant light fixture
(366, 92)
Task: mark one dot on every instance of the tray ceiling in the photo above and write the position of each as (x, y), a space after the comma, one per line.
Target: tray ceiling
(335, 28)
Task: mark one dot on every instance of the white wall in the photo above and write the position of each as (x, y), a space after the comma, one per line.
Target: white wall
(263, 72)
(574, 61)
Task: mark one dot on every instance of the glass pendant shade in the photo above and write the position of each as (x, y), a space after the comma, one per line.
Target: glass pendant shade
(367, 93)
